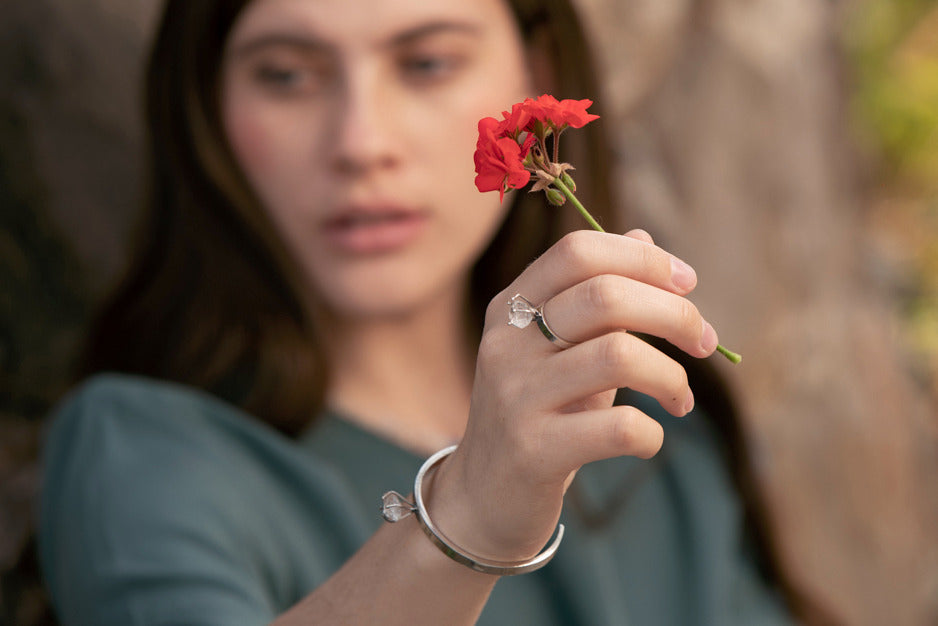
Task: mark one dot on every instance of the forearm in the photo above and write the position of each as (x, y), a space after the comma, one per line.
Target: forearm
(397, 577)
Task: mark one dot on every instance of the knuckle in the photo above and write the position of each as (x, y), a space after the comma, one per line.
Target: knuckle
(601, 293)
(624, 428)
(501, 399)
(496, 307)
(508, 389)
(636, 434)
(575, 246)
(616, 350)
(689, 317)
(527, 445)
(506, 385)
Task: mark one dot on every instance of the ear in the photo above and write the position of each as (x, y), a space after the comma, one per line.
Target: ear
(542, 75)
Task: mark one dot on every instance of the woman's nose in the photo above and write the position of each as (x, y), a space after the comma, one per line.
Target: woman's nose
(365, 125)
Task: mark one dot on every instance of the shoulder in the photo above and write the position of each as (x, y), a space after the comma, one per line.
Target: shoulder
(134, 400)
(121, 451)
(126, 419)
(150, 487)
(116, 436)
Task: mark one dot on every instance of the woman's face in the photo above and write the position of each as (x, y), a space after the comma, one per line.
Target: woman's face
(355, 122)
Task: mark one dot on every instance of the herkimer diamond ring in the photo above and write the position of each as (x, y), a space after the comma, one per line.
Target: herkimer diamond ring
(522, 312)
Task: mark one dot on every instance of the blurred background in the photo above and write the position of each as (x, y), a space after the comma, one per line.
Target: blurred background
(788, 149)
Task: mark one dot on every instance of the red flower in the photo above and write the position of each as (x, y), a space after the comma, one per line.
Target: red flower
(519, 119)
(504, 144)
(499, 160)
(560, 114)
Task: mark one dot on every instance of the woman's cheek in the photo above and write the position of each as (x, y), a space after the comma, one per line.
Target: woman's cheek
(254, 142)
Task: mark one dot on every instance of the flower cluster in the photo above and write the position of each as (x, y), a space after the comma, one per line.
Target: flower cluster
(511, 149)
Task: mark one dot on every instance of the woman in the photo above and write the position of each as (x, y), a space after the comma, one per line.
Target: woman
(307, 322)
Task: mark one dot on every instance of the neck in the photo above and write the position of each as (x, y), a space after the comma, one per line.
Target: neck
(407, 377)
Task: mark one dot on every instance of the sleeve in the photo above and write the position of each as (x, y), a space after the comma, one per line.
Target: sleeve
(141, 521)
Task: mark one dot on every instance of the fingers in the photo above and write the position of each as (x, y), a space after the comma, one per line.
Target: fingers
(602, 434)
(613, 361)
(641, 235)
(638, 294)
(580, 255)
(607, 303)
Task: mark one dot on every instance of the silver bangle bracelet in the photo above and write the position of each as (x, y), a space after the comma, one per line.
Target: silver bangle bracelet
(395, 507)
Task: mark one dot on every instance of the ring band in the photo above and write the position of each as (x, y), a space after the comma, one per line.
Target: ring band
(522, 312)
(550, 334)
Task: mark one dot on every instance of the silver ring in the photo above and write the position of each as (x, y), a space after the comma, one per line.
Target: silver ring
(522, 312)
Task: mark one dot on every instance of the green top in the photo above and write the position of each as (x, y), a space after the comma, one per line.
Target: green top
(164, 505)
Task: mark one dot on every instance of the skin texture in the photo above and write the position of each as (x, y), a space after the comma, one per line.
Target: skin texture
(339, 109)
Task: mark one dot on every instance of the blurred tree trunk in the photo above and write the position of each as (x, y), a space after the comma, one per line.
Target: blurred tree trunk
(735, 153)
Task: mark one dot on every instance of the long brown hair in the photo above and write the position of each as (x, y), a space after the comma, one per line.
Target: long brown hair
(212, 298)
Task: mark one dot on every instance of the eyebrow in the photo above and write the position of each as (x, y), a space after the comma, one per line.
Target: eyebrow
(312, 44)
(433, 28)
(272, 40)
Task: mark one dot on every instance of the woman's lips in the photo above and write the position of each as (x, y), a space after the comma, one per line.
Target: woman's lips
(374, 230)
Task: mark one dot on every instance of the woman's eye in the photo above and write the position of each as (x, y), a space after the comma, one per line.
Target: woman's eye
(288, 79)
(276, 76)
(428, 68)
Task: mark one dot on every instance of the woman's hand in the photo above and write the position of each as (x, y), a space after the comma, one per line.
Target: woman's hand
(538, 413)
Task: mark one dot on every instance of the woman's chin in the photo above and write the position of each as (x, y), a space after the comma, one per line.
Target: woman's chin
(391, 289)
(377, 304)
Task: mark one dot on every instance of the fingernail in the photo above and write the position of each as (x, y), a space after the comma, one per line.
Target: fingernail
(708, 339)
(689, 403)
(682, 275)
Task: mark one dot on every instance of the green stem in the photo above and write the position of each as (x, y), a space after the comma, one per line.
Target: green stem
(579, 207)
(732, 356)
(729, 354)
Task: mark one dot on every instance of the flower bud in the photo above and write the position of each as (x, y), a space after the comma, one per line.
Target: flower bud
(554, 197)
(567, 180)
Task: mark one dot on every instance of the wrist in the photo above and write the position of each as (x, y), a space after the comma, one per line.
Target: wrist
(396, 507)
(482, 523)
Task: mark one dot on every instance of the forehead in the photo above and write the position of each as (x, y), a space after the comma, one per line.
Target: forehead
(364, 22)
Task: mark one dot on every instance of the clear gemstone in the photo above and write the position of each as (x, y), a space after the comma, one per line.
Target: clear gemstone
(395, 507)
(520, 312)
